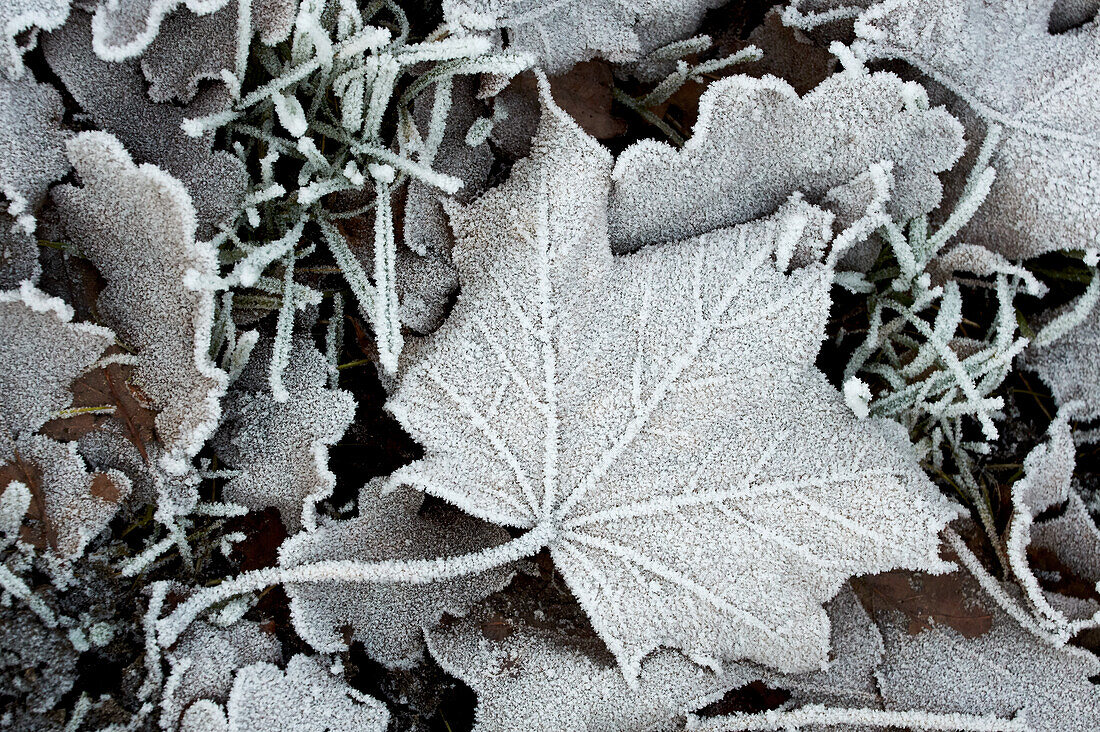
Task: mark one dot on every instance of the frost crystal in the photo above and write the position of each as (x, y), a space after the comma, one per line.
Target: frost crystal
(756, 142)
(658, 419)
(560, 34)
(281, 448)
(543, 678)
(39, 339)
(1002, 60)
(113, 95)
(387, 618)
(304, 698)
(137, 225)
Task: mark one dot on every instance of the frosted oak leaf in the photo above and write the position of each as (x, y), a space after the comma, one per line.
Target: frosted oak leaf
(303, 698)
(388, 619)
(281, 448)
(757, 141)
(137, 225)
(114, 96)
(531, 677)
(657, 420)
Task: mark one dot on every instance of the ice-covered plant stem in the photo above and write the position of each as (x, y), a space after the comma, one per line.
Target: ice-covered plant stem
(933, 378)
(421, 571)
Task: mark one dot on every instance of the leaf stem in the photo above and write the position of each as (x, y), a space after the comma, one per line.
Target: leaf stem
(413, 571)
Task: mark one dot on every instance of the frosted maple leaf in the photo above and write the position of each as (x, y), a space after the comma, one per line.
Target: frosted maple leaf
(657, 419)
(1002, 60)
(563, 32)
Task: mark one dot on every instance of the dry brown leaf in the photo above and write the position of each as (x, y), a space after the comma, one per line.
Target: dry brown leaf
(39, 532)
(788, 54)
(107, 387)
(584, 92)
(925, 600)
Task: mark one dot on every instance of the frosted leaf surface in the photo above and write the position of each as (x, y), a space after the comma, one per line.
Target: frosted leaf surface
(1006, 672)
(17, 16)
(1065, 15)
(72, 505)
(856, 652)
(1048, 472)
(425, 285)
(559, 34)
(192, 48)
(1070, 368)
(541, 678)
(122, 30)
(109, 446)
(43, 352)
(387, 618)
(425, 225)
(757, 141)
(36, 663)
(1075, 538)
(304, 698)
(1001, 60)
(137, 225)
(660, 417)
(18, 254)
(32, 146)
(205, 660)
(281, 448)
(114, 95)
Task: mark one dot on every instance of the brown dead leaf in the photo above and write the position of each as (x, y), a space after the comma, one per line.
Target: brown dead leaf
(107, 387)
(788, 54)
(925, 599)
(365, 343)
(265, 532)
(496, 628)
(584, 92)
(104, 488)
(1055, 576)
(38, 531)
